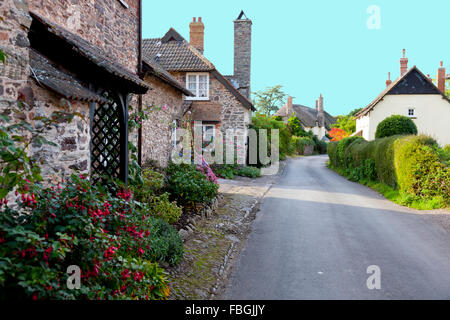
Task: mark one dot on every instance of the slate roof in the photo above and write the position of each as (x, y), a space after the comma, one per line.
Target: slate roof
(307, 115)
(158, 71)
(391, 89)
(92, 53)
(62, 83)
(174, 53)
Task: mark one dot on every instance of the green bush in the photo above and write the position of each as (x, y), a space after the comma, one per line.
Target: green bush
(226, 171)
(187, 185)
(163, 208)
(395, 125)
(166, 244)
(104, 232)
(301, 142)
(251, 172)
(414, 165)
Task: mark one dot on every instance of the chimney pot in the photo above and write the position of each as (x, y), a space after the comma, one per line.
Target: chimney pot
(388, 81)
(197, 34)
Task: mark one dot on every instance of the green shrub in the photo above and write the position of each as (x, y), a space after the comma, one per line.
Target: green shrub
(251, 172)
(104, 232)
(166, 244)
(150, 185)
(419, 169)
(161, 207)
(301, 142)
(332, 153)
(395, 125)
(226, 171)
(187, 185)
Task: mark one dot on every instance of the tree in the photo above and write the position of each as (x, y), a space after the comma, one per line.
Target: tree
(269, 100)
(337, 134)
(296, 126)
(347, 122)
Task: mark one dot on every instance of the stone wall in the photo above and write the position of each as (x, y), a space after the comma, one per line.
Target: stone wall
(164, 105)
(107, 24)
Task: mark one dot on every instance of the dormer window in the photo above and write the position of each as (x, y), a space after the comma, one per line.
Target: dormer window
(198, 84)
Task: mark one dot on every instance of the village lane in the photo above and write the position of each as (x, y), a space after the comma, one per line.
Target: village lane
(316, 235)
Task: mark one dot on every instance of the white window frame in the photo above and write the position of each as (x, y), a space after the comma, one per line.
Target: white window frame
(174, 133)
(413, 115)
(204, 129)
(197, 86)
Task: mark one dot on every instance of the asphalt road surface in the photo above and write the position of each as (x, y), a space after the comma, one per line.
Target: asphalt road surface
(317, 234)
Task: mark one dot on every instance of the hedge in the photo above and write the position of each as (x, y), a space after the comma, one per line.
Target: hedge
(411, 164)
(395, 125)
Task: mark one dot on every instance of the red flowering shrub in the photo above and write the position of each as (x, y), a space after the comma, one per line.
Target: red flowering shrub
(108, 236)
(337, 134)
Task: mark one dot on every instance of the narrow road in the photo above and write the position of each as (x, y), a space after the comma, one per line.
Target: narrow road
(317, 233)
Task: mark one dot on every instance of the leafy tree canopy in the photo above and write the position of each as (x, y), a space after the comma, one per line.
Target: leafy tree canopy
(270, 100)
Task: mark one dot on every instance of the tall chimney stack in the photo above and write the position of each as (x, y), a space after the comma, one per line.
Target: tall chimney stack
(441, 78)
(403, 64)
(289, 108)
(243, 53)
(320, 112)
(197, 34)
(388, 81)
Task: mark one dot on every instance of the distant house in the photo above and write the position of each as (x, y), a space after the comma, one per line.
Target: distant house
(317, 120)
(414, 95)
(219, 102)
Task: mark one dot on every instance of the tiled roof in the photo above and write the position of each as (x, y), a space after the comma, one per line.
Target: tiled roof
(307, 115)
(92, 53)
(206, 111)
(62, 83)
(174, 53)
(158, 71)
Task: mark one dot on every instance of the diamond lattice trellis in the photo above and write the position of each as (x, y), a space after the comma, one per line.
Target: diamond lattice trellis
(106, 142)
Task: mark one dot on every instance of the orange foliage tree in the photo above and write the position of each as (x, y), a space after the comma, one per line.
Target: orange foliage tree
(337, 134)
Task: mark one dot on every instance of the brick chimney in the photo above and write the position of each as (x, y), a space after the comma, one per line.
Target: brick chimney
(388, 81)
(197, 34)
(403, 64)
(289, 108)
(243, 53)
(441, 78)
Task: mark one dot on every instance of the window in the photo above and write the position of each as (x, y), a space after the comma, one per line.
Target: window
(198, 84)
(174, 133)
(209, 133)
(411, 113)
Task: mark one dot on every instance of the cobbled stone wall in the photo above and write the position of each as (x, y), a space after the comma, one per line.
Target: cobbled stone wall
(106, 24)
(164, 105)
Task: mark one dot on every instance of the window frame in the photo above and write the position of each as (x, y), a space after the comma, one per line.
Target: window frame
(413, 115)
(197, 85)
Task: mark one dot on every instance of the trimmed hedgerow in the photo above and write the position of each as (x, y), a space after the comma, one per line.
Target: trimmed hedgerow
(395, 125)
(411, 164)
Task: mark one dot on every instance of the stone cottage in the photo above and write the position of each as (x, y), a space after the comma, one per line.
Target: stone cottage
(219, 102)
(317, 120)
(85, 54)
(164, 108)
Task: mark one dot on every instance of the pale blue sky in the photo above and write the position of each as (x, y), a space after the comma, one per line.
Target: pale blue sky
(313, 47)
